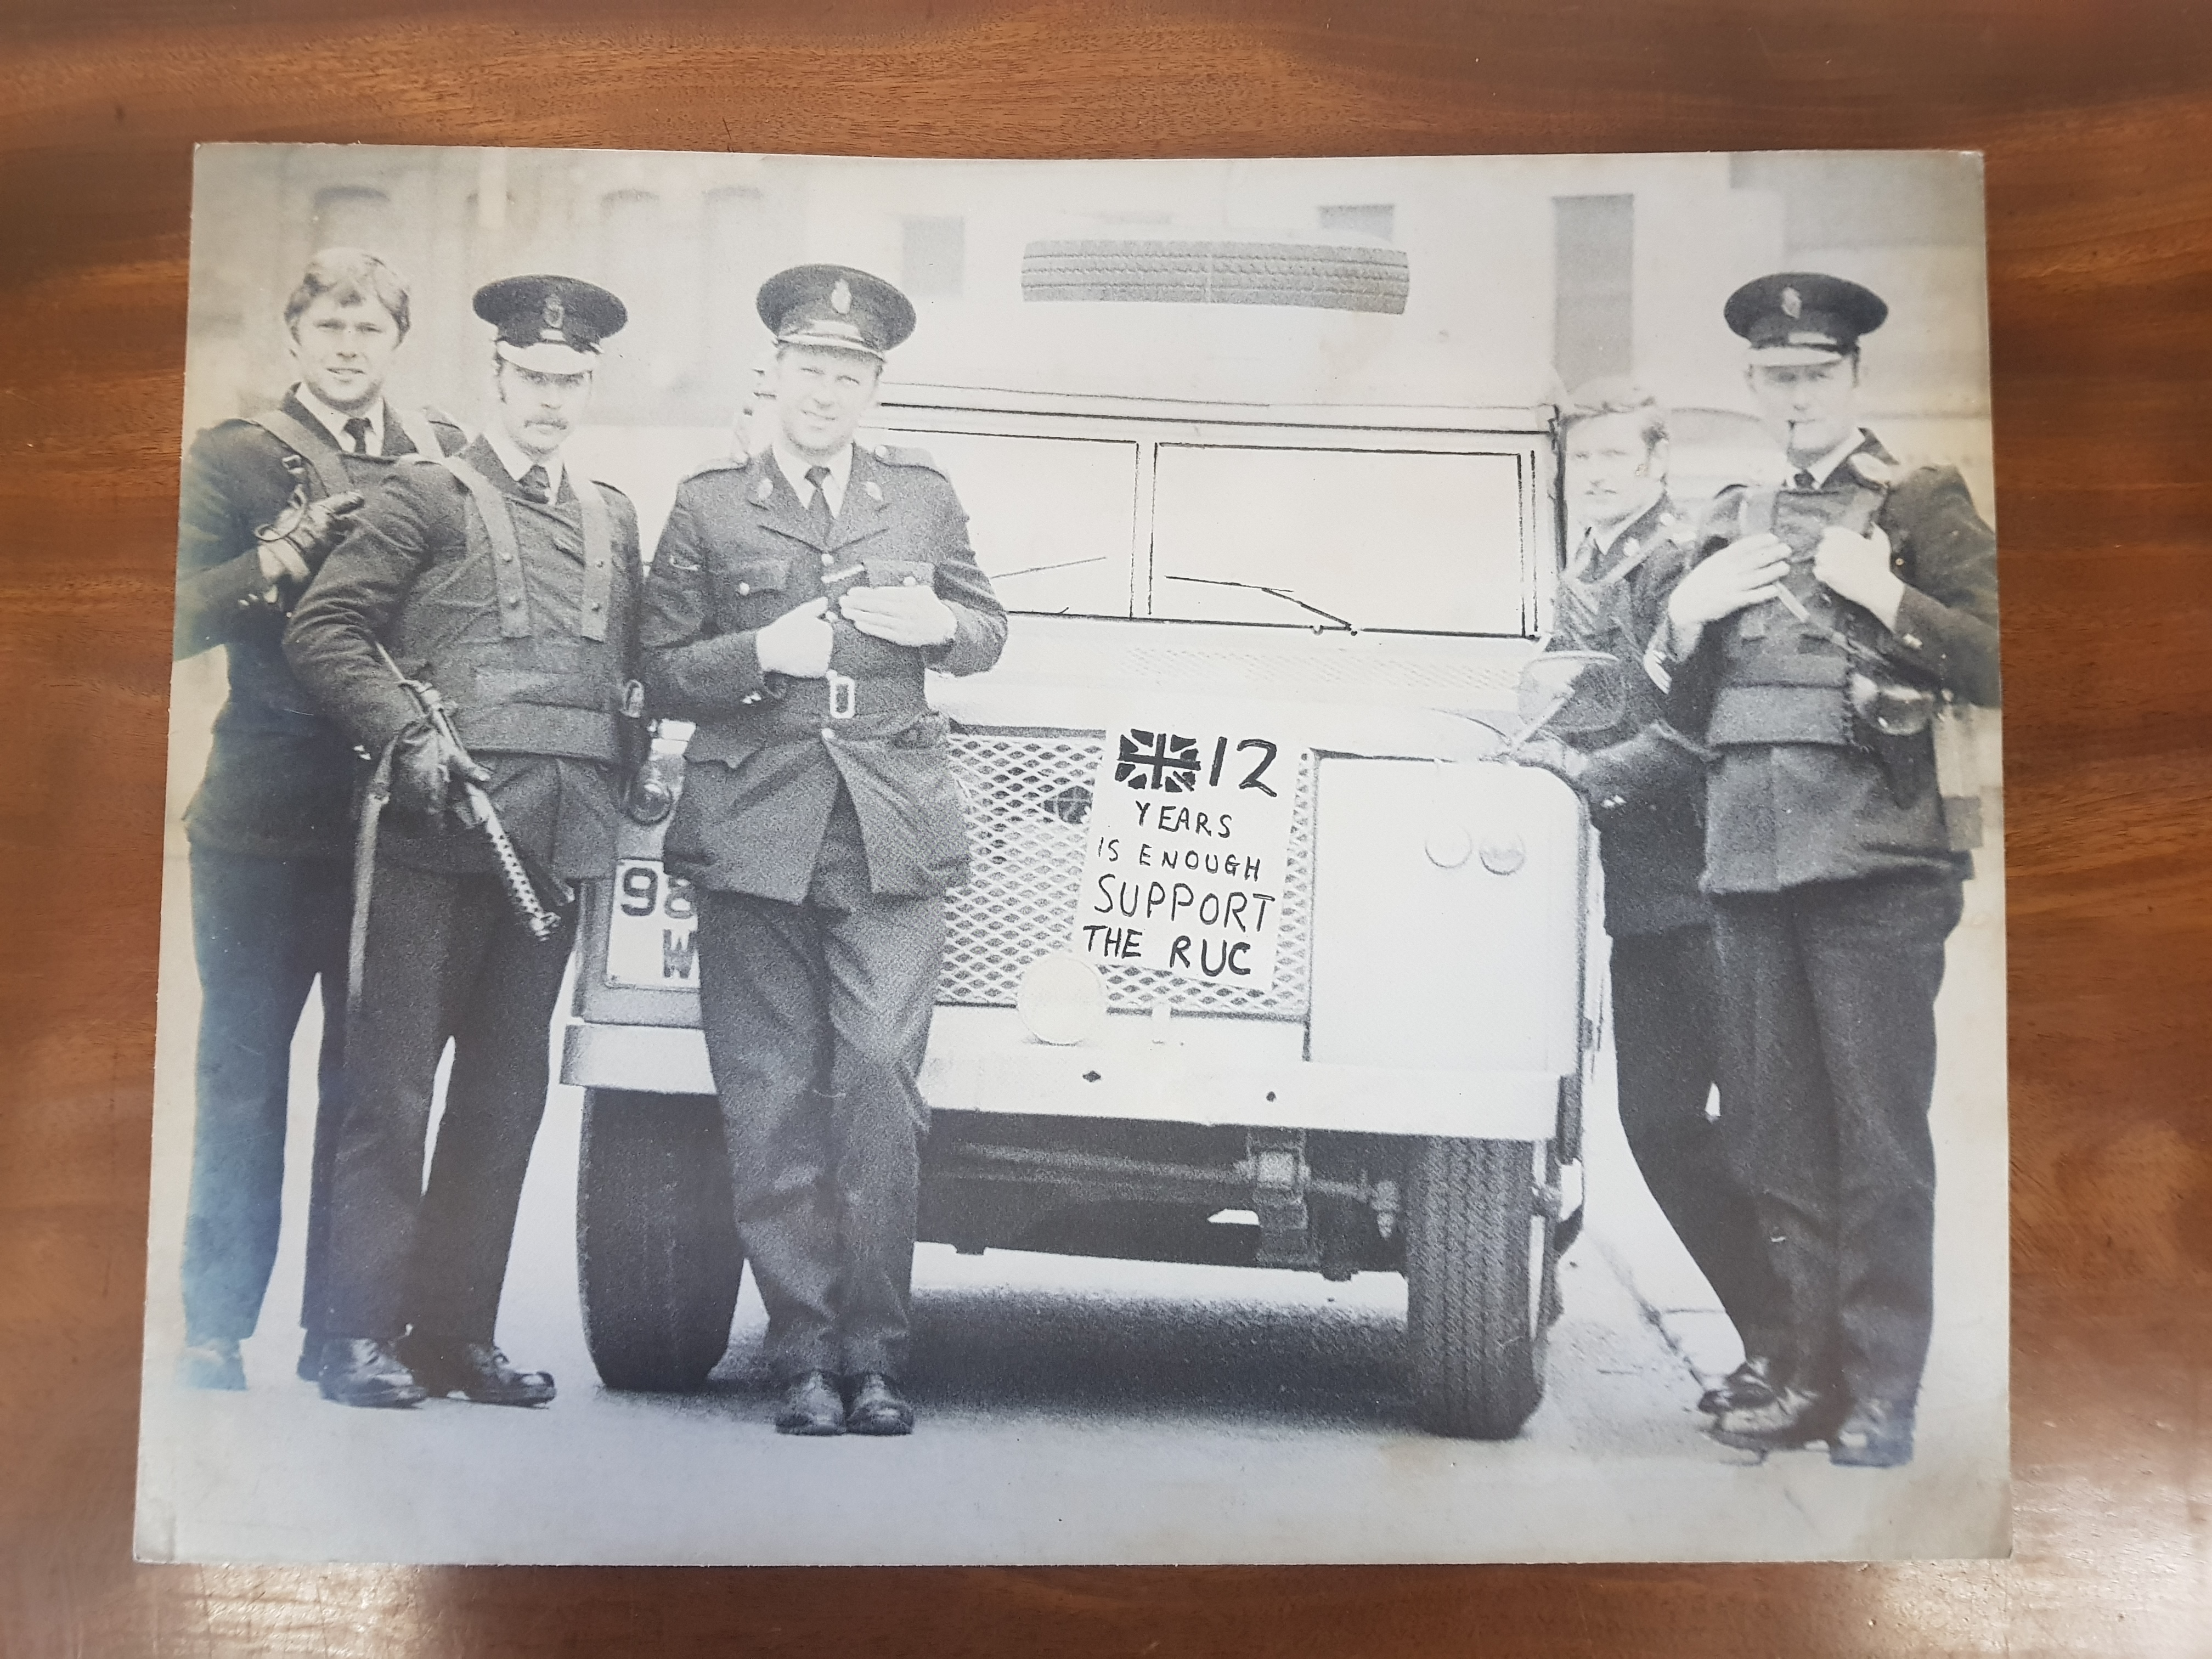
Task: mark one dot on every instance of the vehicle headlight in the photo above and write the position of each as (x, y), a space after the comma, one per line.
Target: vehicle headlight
(1448, 846)
(1503, 851)
(1062, 999)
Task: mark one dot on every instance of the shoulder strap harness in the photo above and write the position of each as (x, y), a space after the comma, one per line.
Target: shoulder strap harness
(319, 450)
(497, 519)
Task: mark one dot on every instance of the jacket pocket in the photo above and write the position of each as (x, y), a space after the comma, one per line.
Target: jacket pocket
(900, 573)
(927, 732)
(750, 592)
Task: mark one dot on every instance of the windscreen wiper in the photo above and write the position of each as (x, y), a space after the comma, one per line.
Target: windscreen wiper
(1283, 593)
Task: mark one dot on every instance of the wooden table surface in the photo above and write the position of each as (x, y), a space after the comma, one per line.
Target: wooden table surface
(2096, 116)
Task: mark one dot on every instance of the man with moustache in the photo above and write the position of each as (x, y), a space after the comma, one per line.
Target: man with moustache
(798, 598)
(1644, 786)
(265, 499)
(1823, 631)
(508, 584)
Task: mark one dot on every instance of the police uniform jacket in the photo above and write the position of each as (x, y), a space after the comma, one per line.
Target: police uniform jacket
(770, 754)
(280, 775)
(532, 647)
(1645, 782)
(1802, 789)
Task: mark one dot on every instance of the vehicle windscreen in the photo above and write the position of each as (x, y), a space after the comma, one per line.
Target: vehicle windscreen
(1295, 534)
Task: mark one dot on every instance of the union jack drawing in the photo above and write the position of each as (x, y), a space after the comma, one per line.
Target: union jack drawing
(1157, 760)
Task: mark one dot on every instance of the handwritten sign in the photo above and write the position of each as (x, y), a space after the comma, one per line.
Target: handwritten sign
(1189, 835)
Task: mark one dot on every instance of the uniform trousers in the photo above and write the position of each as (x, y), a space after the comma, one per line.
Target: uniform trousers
(817, 1018)
(264, 931)
(1828, 1021)
(1666, 1024)
(446, 960)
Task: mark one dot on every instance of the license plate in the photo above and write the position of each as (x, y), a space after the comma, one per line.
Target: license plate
(653, 939)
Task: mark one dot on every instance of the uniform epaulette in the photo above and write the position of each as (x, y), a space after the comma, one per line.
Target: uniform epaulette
(721, 464)
(905, 455)
(1881, 474)
(438, 416)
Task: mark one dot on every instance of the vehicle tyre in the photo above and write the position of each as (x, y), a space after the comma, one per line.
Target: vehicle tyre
(657, 1255)
(1479, 1250)
(1332, 277)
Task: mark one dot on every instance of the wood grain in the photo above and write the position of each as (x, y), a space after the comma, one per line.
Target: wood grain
(2097, 122)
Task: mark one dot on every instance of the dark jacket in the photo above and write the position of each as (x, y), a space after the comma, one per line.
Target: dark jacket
(1645, 785)
(536, 707)
(769, 755)
(280, 775)
(1797, 796)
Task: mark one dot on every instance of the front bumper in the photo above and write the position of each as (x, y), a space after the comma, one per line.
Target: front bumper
(1187, 1070)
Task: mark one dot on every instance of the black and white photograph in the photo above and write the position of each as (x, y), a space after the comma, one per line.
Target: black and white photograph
(882, 861)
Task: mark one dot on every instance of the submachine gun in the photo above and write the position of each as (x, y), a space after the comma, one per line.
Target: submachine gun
(474, 808)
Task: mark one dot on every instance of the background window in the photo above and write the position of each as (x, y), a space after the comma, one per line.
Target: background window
(935, 258)
(353, 215)
(1376, 219)
(1594, 323)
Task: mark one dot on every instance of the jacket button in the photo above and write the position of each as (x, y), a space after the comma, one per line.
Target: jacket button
(828, 558)
(514, 599)
(507, 558)
(829, 734)
(594, 606)
(744, 588)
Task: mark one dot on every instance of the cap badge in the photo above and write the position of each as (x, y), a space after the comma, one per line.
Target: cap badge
(1792, 305)
(555, 313)
(841, 297)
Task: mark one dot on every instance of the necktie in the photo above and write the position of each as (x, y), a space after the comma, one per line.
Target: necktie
(1586, 551)
(357, 431)
(1801, 479)
(817, 510)
(536, 485)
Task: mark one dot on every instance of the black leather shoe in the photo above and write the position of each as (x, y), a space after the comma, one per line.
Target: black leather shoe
(1749, 1384)
(1791, 1418)
(878, 1407)
(811, 1405)
(213, 1363)
(360, 1370)
(311, 1356)
(475, 1371)
(1874, 1436)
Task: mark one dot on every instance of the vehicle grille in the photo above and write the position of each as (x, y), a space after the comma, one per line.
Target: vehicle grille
(1021, 897)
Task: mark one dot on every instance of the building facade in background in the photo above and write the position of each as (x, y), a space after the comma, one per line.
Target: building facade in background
(1527, 278)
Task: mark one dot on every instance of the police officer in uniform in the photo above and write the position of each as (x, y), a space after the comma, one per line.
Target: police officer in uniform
(265, 499)
(510, 584)
(1644, 786)
(1827, 628)
(796, 600)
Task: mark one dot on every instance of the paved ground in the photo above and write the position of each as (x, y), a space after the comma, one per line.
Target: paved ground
(1083, 1410)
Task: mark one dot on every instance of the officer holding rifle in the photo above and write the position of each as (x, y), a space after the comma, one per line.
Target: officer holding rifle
(477, 632)
(1818, 645)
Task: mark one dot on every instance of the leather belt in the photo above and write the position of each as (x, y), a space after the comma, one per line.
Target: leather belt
(838, 697)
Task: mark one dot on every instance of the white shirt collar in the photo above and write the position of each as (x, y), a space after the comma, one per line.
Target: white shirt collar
(1825, 468)
(517, 461)
(1604, 541)
(794, 472)
(334, 423)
